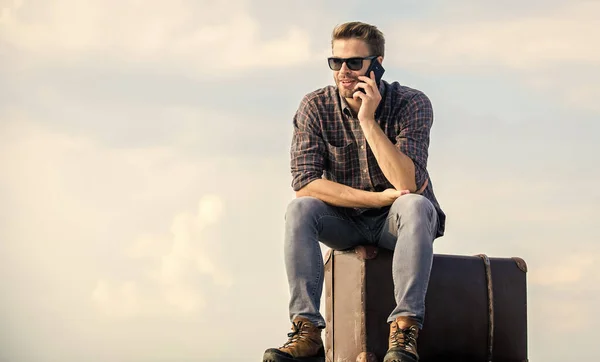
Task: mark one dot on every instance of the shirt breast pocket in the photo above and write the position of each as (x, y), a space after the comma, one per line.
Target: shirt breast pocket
(343, 163)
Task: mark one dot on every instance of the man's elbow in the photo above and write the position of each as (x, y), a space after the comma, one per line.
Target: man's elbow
(304, 191)
(305, 182)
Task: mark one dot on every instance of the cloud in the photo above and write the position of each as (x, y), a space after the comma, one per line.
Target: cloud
(557, 52)
(135, 244)
(566, 35)
(567, 271)
(166, 286)
(563, 289)
(74, 191)
(573, 315)
(168, 281)
(204, 37)
(128, 299)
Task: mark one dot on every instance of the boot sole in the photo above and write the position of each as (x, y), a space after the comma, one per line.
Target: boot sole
(399, 356)
(275, 355)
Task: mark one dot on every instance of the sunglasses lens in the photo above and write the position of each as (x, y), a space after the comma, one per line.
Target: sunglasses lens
(335, 64)
(351, 63)
(355, 63)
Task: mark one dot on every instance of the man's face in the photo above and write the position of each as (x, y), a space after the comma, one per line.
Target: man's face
(345, 78)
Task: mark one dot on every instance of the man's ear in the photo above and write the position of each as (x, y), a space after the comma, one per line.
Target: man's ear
(380, 59)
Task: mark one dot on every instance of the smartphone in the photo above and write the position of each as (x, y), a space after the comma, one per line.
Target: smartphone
(378, 69)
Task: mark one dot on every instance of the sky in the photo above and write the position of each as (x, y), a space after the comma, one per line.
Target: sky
(144, 149)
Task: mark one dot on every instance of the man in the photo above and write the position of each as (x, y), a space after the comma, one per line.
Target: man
(359, 167)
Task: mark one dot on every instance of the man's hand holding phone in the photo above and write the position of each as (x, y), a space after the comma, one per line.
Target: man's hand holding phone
(370, 98)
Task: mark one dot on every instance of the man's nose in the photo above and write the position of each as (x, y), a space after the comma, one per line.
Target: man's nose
(344, 68)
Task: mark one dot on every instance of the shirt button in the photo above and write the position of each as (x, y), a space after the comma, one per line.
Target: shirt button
(362, 147)
(365, 171)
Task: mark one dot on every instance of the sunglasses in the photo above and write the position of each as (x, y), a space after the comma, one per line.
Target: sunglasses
(354, 63)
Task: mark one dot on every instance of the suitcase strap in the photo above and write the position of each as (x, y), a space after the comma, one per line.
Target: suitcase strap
(490, 294)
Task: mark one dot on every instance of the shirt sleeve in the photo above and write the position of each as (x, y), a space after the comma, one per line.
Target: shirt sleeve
(308, 148)
(413, 139)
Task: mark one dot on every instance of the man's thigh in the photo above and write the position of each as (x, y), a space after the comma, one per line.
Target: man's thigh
(335, 226)
(411, 208)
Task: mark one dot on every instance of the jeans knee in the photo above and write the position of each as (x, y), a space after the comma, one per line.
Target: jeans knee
(303, 209)
(413, 208)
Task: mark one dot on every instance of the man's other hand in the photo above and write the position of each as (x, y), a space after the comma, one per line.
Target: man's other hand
(388, 196)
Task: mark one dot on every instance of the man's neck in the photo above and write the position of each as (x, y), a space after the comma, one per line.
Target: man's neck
(353, 104)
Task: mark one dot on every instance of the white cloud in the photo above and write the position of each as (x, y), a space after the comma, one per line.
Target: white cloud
(104, 235)
(169, 277)
(567, 35)
(73, 190)
(120, 300)
(557, 53)
(573, 315)
(567, 271)
(568, 284)
(205, 36)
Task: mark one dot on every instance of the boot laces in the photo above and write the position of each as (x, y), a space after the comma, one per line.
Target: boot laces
(404, 338)
(295, 334)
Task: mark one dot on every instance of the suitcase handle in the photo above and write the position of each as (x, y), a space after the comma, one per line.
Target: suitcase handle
(490, 293)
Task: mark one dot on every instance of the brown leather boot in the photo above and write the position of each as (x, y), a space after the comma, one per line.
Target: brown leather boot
(304, 344)
(403, 342)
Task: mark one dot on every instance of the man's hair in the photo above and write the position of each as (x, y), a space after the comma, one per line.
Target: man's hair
(358, 30)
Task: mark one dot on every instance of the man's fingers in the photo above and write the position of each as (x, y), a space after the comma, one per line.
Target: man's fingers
(366, 87)
(402, 192)
(370, 79)
(399, 193)
(371, 87)
(358, 94)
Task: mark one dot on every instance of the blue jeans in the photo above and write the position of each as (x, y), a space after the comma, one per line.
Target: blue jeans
(408, 227)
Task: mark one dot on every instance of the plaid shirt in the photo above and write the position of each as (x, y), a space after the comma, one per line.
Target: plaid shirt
(328, 141)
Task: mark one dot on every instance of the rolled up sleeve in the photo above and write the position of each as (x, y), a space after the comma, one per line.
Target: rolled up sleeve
(308, 149)
(413, 139)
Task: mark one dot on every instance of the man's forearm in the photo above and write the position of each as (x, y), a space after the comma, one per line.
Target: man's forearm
(337, 194)
(398, 168)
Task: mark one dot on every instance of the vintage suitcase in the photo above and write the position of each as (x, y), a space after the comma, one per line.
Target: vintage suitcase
(476, 308)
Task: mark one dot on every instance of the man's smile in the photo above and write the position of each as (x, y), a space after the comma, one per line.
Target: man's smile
(348, 83)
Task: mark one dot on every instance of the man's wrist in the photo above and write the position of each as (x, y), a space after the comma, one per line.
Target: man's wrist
(366, 120)
(375, 199)
(368, 125)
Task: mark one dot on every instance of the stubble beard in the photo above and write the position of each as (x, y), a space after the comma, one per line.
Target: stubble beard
(346, 93)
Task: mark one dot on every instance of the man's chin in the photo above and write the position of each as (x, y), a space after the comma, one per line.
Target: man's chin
(346, 93)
